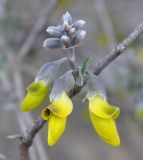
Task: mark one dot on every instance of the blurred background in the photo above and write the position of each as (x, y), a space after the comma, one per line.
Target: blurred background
(22, 32)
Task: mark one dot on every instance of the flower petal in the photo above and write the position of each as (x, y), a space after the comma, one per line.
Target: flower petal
(102, 109)
(37, 92)
(45, 114)
(106, 129)
(56, 128)
(61, 107)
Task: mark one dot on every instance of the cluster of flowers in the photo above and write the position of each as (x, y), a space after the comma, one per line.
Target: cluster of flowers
(102, 114)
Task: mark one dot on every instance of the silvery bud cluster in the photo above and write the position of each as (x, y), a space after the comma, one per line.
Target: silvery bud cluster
(67, 35)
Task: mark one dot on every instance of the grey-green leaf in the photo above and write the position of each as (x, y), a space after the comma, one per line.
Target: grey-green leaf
(85, 66)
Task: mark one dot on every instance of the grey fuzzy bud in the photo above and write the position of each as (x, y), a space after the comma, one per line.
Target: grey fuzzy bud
(79, 36)
(52, 43)
(78, 24)
(66, 40)
(67, 18)
(60, 28)
(53, 31)
(66, 26)
(72, 32)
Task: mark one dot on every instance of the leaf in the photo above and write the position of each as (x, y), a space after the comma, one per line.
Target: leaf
(85, 65)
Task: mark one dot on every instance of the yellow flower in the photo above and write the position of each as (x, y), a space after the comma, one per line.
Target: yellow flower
(103, 117)
(37, 93)
(57, 113)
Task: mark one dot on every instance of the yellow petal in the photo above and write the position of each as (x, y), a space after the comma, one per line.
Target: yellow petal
(56, 128)
(37, 93)
(61, 107)
(106, 129)
(103, 109)
(45, 114)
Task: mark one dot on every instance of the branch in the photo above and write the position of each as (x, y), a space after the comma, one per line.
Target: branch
(105, 20)
(3, 157)
(23, 119)
(119, 49)
(26, 141)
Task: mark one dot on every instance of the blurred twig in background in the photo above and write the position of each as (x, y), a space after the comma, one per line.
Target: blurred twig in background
(47, 12)
(3, 157)
(105, 21)
(13, 63)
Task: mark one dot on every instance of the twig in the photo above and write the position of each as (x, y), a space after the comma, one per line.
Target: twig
(105, 21)
(17, 79)
(3, 157)
(119, 49)
(27, 120)
(27, 140)
(47, 12)
(23, 119)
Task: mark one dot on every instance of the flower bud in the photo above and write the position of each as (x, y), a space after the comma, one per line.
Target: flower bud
(67, 18)
(53, 43)
(53, 31)
(72, 32)
(60, 28)
(78, 24)
(79, 36)
(66, 26)
(66, 40)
